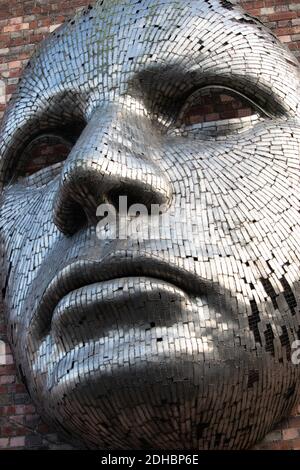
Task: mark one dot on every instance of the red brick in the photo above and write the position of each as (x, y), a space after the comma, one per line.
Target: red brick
(17, 441)
(289, 434)
(4, 442)
(7, 379)
(282, 15)
(17, 20)
(15, 27)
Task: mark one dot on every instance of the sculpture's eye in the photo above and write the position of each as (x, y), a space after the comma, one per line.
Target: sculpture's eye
(216, 110)
(44, 151)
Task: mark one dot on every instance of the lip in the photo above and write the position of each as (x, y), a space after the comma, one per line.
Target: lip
(119, 264)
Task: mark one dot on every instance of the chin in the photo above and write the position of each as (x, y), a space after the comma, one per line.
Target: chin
(166, 398)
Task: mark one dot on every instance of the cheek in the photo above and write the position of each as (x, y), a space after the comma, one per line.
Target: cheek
(27, 235)
(243, 199)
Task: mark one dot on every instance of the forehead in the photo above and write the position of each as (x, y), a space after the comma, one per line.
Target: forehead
(157, 48)
(108, 45)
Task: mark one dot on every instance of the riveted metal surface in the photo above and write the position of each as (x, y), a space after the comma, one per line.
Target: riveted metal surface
(183, 340)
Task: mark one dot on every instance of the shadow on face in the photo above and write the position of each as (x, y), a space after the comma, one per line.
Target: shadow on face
(176, 330)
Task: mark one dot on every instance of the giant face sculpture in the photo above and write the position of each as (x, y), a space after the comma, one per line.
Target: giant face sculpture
(178, 341)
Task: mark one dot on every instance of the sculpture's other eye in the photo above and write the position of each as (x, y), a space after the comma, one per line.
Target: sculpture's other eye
(218, 111)
(36, 159)
(42, 159)
(46, 150)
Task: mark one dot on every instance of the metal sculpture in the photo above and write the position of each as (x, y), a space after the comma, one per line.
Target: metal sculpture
(182, 340)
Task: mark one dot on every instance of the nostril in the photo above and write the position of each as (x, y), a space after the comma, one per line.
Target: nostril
(135, 195)
(70, 217)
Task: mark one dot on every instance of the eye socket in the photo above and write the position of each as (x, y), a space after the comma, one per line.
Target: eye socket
(44, 151)
(218, 110)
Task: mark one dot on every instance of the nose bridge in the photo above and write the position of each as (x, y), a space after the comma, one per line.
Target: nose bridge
(111, 129)
(115, 156)
(94, 144)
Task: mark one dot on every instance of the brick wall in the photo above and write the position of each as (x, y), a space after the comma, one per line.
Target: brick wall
(23, 24)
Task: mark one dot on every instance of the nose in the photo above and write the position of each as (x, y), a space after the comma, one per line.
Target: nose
(116, 155)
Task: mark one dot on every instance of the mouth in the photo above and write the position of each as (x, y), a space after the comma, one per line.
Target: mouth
(109, 270)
